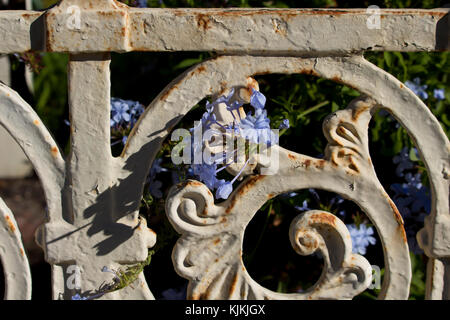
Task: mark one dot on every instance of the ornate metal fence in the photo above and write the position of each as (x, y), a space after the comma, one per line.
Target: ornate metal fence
(93, 198)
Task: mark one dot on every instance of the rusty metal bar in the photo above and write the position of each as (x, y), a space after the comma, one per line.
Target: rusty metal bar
(232, 31)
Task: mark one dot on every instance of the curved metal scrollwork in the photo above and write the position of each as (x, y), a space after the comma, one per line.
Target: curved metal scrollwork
(209, 250)
(27, 129)
(211, 256)
(13, 258)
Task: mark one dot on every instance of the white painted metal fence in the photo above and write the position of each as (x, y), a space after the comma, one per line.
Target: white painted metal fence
(93, 197)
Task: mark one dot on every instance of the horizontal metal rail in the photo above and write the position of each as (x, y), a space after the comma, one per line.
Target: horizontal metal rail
(293, 32)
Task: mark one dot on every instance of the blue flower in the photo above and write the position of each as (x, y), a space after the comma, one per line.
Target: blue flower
(208, 119)
(224, 190)
(439, 94)
(257, 99)
(119, 112)
(336, 200)
(403, 161)
(222, 99)
(414, 181)
(284, 124)
(206, 173)
(361, 237)
(418, 89)
(125, 112)
(403, 204)
(78, 297)
(411, 197)
(256, 128)
(135, 112)
(155, 185)
(304, 206)
(156, 167)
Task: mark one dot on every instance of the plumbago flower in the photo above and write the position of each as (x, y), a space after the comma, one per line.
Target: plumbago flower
(225, 120)
(361, 236)
(155, 185)
(412, 199)
(304, 206)
(417, 88)
(403, 162)
(439, 94)
(124, 115)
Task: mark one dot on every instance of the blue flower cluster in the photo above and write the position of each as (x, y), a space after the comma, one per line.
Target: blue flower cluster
(362, 236)
(403, 162)
(254, 127)
(124, 115)
(419, 90)
(411, 197)
(125, 112)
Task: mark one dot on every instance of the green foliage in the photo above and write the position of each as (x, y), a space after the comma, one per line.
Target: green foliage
(50, 86)
(126, 277)
(417, 289)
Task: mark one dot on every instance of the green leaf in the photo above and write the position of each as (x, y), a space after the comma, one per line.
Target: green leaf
(334, 107)
(412, 155)
(402, 63)
(312, 109)
(187, 63)
(387, 58)
(417, 69)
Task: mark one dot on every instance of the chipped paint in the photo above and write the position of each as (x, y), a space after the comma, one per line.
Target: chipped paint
(10, 224)
(203, 22)
(55, 152)
(13, 258)
(122, 30)
(358, 111)
(233, 284)
(324, 218)
(397, 215)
